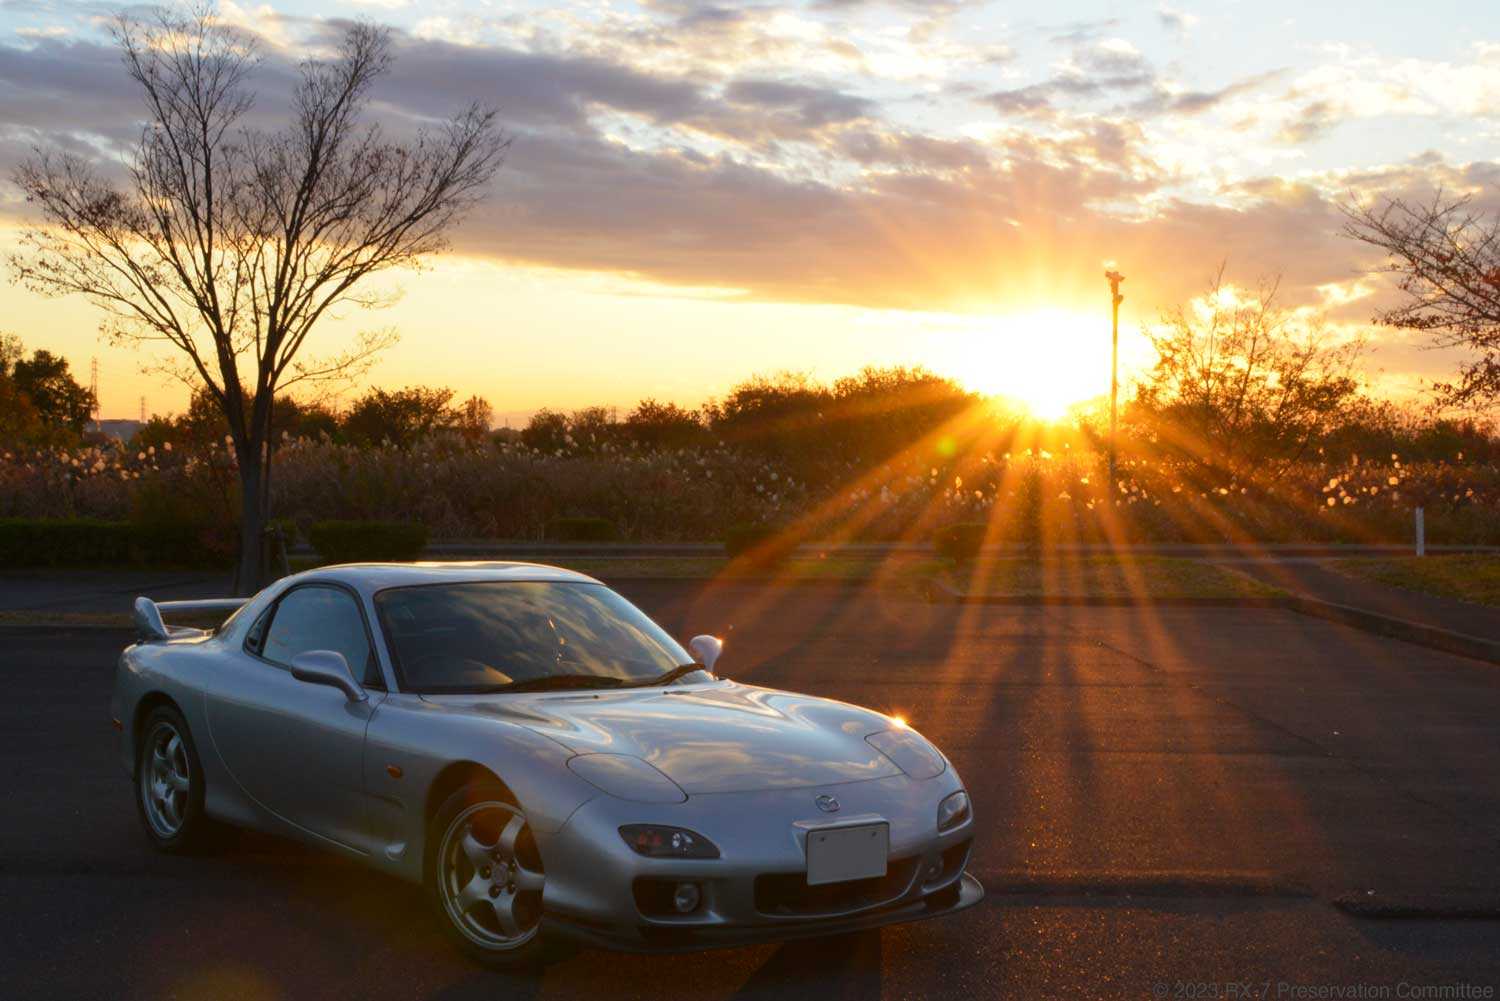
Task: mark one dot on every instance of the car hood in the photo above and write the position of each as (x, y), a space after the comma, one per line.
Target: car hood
(718, 737)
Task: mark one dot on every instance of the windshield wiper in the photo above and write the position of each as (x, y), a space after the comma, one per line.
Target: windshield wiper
(669, 677)
(559, 682)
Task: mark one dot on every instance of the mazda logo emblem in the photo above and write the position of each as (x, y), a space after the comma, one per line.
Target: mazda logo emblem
(827, 804)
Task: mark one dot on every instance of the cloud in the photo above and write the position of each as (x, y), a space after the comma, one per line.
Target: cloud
(1165, 100)
(1083, 32)
(432, 78)
(904, 150)
(814, 107)
(1115, 73)
(1177, 21)
(60, 93)
(1312, 121)
(966, 230)
(1112, 57)
(1107, 69)
(51, 31)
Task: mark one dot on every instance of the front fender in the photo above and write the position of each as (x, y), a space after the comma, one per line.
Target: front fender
(411, 742)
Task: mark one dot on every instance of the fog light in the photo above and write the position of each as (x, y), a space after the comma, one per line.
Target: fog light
(685, 898)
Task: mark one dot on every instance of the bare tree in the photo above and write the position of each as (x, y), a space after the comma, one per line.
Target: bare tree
(229, 242)
(1242, 383)
(1445, 254)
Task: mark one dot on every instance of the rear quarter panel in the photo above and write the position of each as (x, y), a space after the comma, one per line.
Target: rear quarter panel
(175, 671)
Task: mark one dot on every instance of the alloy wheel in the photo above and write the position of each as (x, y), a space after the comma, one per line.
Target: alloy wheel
(490, 876)
(165, 778)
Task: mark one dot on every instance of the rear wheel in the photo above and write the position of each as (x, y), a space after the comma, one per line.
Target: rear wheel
(485, 876)
(169, 783)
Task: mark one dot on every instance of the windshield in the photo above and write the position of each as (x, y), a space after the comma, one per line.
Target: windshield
(516, 635)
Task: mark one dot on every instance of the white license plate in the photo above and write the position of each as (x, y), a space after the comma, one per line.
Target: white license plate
(836, 854)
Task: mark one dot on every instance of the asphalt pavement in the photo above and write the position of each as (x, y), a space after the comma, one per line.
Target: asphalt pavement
(1312, 577)
(1172, 803)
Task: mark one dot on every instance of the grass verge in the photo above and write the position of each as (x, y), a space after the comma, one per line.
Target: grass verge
(1473, 577)
(1105, 577)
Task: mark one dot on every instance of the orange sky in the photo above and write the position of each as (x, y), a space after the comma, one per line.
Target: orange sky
(527, 337)
(698, 194)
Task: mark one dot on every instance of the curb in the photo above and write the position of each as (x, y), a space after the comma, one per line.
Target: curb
(1432, 637)
(1114, 601)
(1163, 885)
(942, 591)
(1469, 906)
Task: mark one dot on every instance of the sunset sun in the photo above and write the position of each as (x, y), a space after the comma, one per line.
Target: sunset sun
(1047, 360)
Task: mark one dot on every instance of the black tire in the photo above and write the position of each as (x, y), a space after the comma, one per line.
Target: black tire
(192, 828)
(485, 803)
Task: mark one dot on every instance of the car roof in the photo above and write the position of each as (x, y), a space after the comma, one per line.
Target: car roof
(372, 577)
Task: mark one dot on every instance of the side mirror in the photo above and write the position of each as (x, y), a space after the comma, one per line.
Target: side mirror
(706, 650)
(327, 667)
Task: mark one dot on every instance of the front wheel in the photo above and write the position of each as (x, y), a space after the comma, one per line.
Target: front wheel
(169, 784)
(485, 876)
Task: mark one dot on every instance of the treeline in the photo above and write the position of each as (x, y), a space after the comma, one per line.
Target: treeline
(791, 419)
(401, 417)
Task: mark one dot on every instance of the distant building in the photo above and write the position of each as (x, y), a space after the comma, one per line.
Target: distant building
(120, 430)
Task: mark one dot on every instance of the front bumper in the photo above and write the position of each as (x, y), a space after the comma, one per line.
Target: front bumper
(599, 890)
(676, 937)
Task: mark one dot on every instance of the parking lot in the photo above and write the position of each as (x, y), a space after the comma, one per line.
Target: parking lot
(1172, 802)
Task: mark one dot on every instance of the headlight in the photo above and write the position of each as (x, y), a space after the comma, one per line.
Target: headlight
(910, 752)
(626, 777)
(667, 842)
(953, 811)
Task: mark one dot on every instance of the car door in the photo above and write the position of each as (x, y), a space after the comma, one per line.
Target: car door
(297, 748)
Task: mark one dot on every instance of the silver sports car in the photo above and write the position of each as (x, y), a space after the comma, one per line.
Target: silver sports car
(541, 756)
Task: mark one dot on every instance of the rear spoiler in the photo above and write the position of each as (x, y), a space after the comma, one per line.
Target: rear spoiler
(150, 627)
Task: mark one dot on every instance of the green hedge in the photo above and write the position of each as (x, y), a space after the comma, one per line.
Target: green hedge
(581, 530)
(52, 542)
(368, 541)
(961, 542)
(182, 527)
(83, 542)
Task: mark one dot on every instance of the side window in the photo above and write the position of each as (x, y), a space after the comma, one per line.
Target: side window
(320, 618)
(256, 637)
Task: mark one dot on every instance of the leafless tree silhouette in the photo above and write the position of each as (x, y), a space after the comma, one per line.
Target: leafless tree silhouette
(1445, 254)
(1242, 382)
(230, 242)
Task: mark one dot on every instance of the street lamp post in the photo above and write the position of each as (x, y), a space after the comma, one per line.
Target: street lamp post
(1114, 278)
